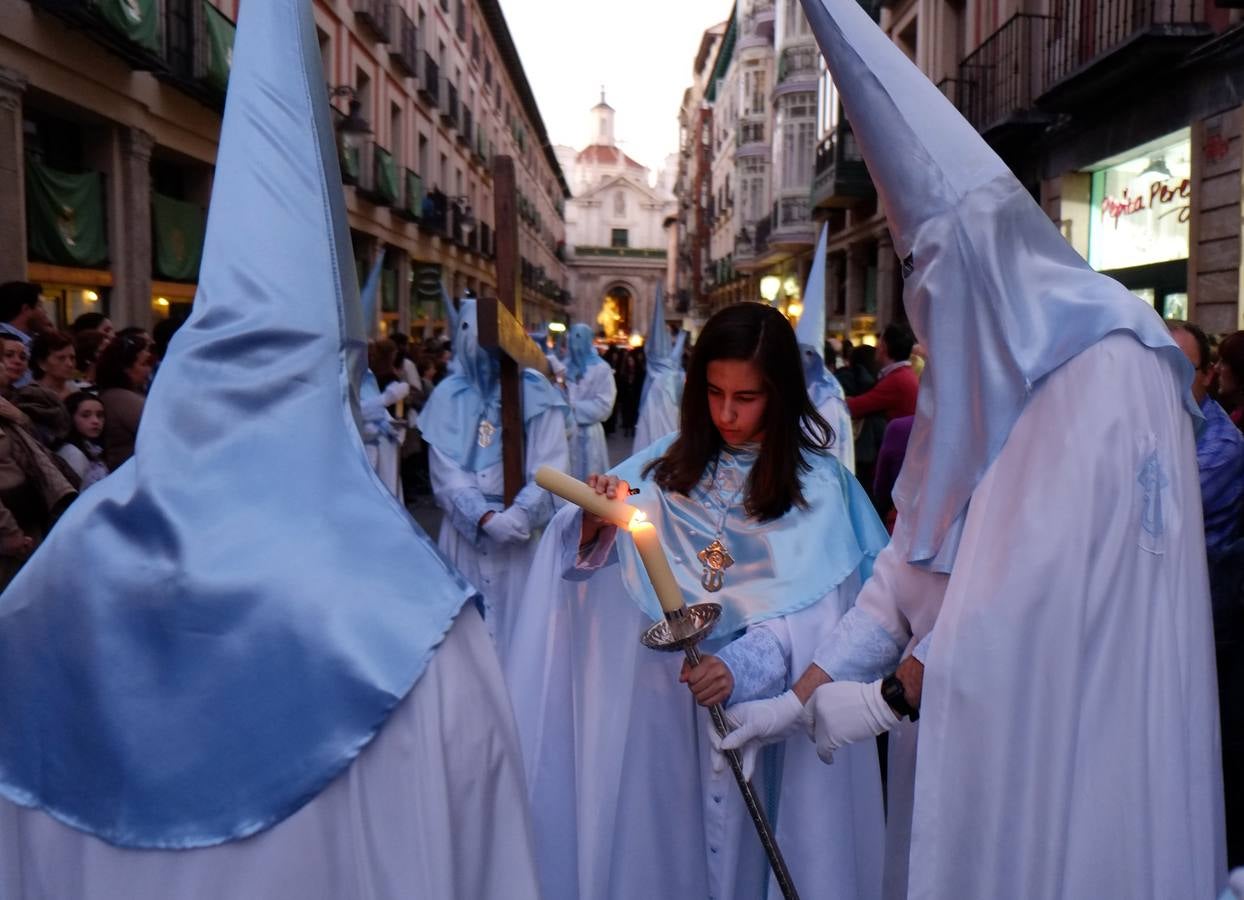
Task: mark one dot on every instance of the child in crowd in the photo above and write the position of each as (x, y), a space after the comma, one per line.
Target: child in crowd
(82, 449)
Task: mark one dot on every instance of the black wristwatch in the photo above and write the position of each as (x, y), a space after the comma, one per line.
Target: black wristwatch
(892, 693)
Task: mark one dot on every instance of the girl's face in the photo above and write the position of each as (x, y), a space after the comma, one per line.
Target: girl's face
(16, 359)
(88, 419)
(736, 400)
(60, 364)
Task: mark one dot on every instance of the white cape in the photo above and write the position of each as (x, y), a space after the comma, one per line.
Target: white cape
(659, 414)
(591, 400)
(432, 808)
(1068, 739)
(624, 801)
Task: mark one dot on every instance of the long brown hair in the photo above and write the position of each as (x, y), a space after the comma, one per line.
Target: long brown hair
(793, 429)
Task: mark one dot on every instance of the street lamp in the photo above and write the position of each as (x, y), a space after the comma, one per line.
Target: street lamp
(769, 287)
(353, 128)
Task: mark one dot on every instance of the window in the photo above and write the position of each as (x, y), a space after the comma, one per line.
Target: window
(619, 204)
(754, 92)
(618, 238)
(395, 132)
(444, 173)
(362, 92)
(422, 161)
(326, 53)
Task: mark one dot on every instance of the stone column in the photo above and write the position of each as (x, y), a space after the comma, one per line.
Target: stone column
(857, 277)
(887, 279)
(130, 244)
(12, 178)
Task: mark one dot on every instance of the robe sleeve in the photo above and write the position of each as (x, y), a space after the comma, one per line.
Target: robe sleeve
(592, 396)
(546, 446)
(759, 661)
(457, 494)
(581, 563)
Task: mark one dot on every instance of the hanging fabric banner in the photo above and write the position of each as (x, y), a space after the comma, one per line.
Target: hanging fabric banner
(178, 227)
(414, 195)
(65, 216)
(220, 32)
(138, 20)
(386, 176)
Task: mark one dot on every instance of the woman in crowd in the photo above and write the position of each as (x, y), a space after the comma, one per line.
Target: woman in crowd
(16, 360)
(753, 513)
(82, 450)
(123, 371)
(53, 362)
(1231, 376)
(87, 346)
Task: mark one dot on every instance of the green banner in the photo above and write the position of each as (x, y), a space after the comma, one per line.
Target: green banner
(386, 176)
(348, 155)
(65, 216)
(179, 228)
(414, 195)
(138, 20)
(388, 290)
(220, 32)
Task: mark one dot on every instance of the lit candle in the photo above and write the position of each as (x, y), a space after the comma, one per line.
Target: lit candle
(648, 543)
(578, 493)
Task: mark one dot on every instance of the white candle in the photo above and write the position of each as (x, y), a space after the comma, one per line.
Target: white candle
(578, 493)
(648, 543)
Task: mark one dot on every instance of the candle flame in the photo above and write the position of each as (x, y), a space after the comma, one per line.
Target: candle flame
(639, 520)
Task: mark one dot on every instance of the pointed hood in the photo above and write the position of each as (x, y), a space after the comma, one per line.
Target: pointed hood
(995, 294)
(662, 354)
(810, 332)
(453, 419)
(582, 347)
(238, 620)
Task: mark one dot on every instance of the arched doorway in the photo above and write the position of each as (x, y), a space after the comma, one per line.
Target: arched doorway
(616, 311)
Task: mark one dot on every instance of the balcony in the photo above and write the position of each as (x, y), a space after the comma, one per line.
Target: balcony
(1097, 46)
(404, 51)
(435, 217)
(131, 30)
(430, 80)
(377, 178)
(757, 26)
(375, 15)
(448, 102)
(1004, 79)
(799, 65)
(793, 228)
(841, 178)
(750, 139)
(198, 48)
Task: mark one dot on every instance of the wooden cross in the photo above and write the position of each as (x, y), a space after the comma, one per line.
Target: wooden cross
(501, 326)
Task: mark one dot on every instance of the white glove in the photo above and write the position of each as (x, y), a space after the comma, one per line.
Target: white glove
(843, 712)
(758, 722)
(397, 390)
(556, 366)
(509, 527)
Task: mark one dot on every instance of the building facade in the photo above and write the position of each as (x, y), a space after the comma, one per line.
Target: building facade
(110, 115)
(617, 242)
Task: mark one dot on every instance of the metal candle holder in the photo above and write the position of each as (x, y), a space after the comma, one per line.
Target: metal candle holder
(683, 630)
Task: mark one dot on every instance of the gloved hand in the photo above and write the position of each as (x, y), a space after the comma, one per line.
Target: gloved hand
(510, 526)
(556, 366)
(397, 390)
(759, 722)
(843, 712)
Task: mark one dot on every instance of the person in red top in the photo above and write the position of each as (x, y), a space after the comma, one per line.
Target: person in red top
(894, 394)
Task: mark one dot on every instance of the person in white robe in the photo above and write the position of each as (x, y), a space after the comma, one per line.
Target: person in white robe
(382, 434)
(1045, 596)
(590, 392)
(663, 384)
(492, 544)
(626, 800)
(262, 681)
(827, 394)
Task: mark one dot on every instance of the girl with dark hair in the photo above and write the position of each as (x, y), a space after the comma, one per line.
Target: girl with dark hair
(122, 372)
(82, 450)
(755, 514)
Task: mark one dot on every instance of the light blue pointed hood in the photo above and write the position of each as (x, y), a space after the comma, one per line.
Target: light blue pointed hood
(810, 332)
(994, 293)
(450, 420)
(582, 351)
(662, 356)
(246, 602)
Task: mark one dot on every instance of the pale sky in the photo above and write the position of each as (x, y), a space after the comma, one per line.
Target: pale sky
(640, 50)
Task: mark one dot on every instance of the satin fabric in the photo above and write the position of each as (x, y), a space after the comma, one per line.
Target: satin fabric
(238, 621)
(780, 566)
(994, 292)
(664, 366)
(659, 413)
(591, 399)
(824, 390)
(625, 803)
(471, 394)
(397, 824)
(582, 352)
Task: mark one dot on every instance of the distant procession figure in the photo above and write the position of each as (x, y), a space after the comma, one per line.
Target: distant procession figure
(662, 392)
(490, 543)
(591, 392)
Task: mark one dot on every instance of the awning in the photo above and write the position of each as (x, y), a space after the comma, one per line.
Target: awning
(178, 228)
(65, 216)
